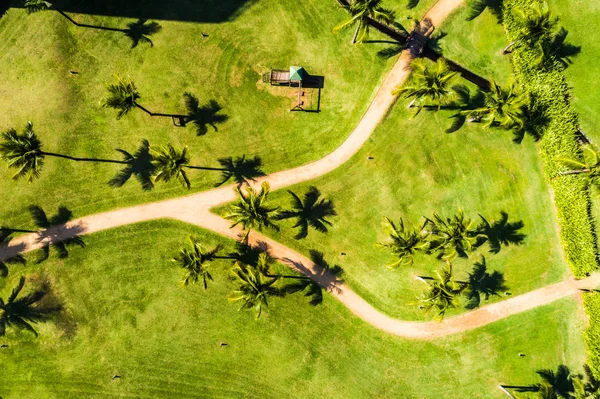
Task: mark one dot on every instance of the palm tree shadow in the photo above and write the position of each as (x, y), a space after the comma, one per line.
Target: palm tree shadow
(465, 101)
(412, 4)
(240, 169)
(203, 116)
(483, 284)
(563, 52)
(140, 30)
(327, 276)
(54, 233)
(390, 52)
(477, 7)
(310, 211)
(501, 232)
(138, 165)
(559, 382)
(12, 253)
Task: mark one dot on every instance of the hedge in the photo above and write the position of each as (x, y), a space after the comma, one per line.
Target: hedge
(557, 125)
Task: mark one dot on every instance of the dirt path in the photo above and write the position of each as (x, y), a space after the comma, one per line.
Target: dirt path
(194, 209)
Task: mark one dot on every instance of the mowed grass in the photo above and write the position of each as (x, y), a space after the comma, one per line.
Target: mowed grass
(477, 44)
(581, 18)
(418, 169)
(226, 66)
(127, 315)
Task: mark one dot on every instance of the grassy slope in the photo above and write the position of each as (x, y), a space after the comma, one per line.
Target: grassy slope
(582, 19)
(36, 85)
(128, 316)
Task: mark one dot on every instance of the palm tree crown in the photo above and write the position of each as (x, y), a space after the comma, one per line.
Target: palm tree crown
(537, 22)
(195, 261)
(122, 96)
(254, 288)
(503, 107)
(23, 152)
(311, 211)
(33, 6)
(251, 211)
(169, 164)
(452, 236)
(404, 243)
(21, 312)
(361, 11)
(429, 85)
(443, 294)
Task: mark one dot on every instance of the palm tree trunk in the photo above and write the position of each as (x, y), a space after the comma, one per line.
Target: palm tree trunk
(225, 257)
(356, 33)
(506, 49)
(292, 277)
(17, 230)
(575, 172)
(52, 154)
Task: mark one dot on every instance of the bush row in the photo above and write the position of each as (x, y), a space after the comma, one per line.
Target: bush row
(556, 122)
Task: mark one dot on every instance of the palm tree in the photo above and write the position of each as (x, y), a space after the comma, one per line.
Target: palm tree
(140, 30)
(452, 236)
(202, 116)
(536, 23)
(251, 211)
(482, 283)
(443, 294)
(429, 86)
(560, 382)
(310, 212)
(170, 163)
(254, 288)
(5, 234)
(46, 236)
(361, 11)
(502, 107)
(137, 31)
(240, 169)
(404, 242)
(24, 153)
(586, 386)
(23, 311)
(195, 261)
(590, 164)
(123, 96)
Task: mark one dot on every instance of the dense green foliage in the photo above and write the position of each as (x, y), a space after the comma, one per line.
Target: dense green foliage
(556, 122)
(591, 336)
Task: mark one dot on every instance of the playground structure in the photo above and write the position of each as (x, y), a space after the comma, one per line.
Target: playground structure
(296, 76)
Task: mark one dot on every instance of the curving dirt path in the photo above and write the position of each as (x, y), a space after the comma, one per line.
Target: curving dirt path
(195, 209)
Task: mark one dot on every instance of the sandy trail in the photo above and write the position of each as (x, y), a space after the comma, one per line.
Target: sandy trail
(194, 209)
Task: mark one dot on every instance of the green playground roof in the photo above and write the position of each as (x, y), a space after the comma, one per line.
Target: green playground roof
(297, 73)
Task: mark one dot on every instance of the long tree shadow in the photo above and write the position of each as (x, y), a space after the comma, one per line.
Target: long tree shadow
(501, 232)
(138, 165)
(53, 232)
(203, 11)
(483, 284)
(240, 169)
(138, 31)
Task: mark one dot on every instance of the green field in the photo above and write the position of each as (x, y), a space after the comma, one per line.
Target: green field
(226, 66)
(127, 315)
(125, 312)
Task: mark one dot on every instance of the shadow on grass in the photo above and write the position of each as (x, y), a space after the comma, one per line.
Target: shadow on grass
(205, 11)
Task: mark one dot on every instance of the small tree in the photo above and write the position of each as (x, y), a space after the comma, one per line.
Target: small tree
(429, 86)
(195, 260)
(254, 288)
(251, 211)
(452, 236)
(443, 293)
(404, 243)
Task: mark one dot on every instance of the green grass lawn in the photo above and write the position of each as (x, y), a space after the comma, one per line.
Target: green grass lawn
(581, 18)
(477, 44)
(38, 51)
(127, 315)
(418, 169)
